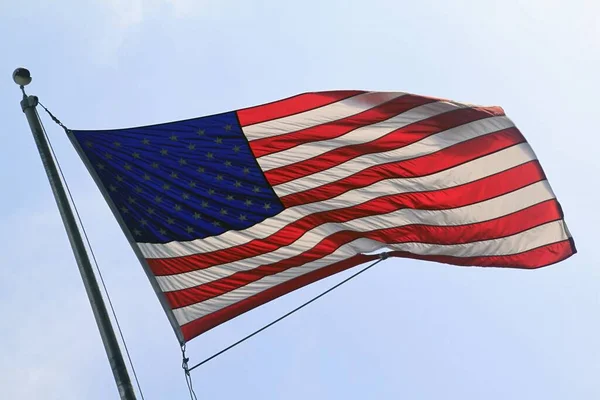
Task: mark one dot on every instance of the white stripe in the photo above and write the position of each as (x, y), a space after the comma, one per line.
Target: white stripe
(461, 174)
(429, 145)
(361, 135)
(533, 238)
(479, 212)
(331, 112)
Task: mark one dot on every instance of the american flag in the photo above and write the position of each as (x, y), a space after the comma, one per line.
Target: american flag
(230, 211)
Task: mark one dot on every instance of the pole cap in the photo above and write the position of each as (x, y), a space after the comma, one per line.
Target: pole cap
(22, 76)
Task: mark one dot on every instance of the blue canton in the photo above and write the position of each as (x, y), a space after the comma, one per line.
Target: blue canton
(181, 181)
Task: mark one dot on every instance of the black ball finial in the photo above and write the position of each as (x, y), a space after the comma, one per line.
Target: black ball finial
(22, 76)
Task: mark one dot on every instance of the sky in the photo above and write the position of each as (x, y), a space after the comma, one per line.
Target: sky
(403, 330)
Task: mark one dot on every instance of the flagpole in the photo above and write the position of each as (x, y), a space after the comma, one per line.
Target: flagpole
(22, 77)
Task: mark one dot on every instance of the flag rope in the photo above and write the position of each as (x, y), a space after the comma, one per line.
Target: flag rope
(188, 378)
(382, 257)
(57, 121)
(83, 231)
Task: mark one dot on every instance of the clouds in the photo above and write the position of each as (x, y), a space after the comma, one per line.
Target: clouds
(407, 328)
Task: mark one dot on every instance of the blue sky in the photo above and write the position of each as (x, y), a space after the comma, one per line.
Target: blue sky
(405, 329)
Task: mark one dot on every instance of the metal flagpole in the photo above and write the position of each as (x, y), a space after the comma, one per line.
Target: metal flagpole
(22, 77)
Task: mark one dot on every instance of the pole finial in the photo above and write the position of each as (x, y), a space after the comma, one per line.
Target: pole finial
(22, 77)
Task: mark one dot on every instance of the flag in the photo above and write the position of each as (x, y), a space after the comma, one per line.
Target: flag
(230, 211)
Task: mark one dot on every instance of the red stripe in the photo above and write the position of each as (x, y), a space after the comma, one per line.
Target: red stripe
(422, 166)
(531, 259)
(442, 235)
(537, 258)
(333, 129)
(201, 325)
(457, 196)
(291, 106)
(394, 140)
